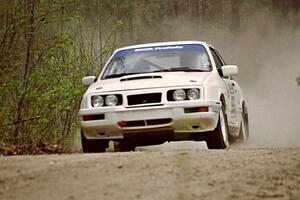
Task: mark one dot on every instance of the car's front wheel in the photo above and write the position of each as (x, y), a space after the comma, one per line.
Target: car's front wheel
(93, 145)
(218, 138)
(244, 127)
(122, 146)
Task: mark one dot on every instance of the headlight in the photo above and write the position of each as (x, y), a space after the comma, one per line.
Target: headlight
(97, 101)
(179, 95)
(111, 100)
(193, 94)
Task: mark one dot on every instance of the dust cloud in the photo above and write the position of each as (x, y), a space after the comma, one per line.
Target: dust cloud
(268, 57)
(267, 52)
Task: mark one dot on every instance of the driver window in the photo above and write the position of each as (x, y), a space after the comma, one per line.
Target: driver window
(218, 61)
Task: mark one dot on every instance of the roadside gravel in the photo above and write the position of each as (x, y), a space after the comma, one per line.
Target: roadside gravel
(154, 174)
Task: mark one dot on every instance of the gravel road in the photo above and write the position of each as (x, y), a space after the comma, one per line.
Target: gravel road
(154, 174)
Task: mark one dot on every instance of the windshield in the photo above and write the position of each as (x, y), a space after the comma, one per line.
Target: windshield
(190, 57)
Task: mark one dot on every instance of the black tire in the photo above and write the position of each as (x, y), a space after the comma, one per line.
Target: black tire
(123, 146)
(92, 145)
(216, 139)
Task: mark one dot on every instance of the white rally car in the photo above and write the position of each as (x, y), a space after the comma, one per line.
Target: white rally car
(152, 93)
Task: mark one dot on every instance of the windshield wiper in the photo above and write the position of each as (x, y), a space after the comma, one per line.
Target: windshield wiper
(174, 69)
(184, 69)
(118, 75)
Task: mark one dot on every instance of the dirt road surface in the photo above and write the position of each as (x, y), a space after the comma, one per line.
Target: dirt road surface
(154, 174)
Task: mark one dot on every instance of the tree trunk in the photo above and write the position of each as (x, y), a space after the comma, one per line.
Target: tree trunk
(194, 9)
(220, 14)
(235, 15)
(203, 12)
(99, 8)
(174, 7)
(29, 36)
(29, 39)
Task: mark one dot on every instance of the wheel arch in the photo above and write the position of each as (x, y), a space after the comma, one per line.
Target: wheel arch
(243, 105)
(223, 101)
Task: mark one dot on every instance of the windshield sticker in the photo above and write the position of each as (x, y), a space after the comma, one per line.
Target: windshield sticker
(158, 48)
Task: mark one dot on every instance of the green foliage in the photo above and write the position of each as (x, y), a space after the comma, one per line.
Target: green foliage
(292, 196)
(41, 70)
(298, 80)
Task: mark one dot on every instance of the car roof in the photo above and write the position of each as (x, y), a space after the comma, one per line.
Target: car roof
(162, 44)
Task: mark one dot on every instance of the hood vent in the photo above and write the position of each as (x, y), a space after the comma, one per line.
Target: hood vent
(139, 77)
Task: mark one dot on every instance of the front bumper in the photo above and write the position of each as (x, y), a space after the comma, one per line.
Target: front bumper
(119, 121)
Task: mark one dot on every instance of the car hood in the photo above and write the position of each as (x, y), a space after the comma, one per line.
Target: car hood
(151, 80)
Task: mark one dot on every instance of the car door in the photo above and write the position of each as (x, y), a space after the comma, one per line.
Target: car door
(237, 97)
(232, 84)
(231, 100)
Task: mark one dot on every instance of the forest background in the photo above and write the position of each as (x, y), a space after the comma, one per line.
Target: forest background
(47, 46)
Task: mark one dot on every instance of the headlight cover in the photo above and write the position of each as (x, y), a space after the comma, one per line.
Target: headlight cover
(179, 95)
(184, 94)
(97, 101)
(111, 100)
(193, 94)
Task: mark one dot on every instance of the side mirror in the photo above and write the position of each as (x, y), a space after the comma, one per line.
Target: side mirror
(230, 70)
(88, 80)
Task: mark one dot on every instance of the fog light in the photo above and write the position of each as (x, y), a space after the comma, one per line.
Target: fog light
(196, 109)
(93, 117)
(87, 117)
(203, 109)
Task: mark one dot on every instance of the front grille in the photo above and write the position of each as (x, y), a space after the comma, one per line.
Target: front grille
(152, 122)
(134, 123)
(149, 122)
(144, 99)
(93, 117)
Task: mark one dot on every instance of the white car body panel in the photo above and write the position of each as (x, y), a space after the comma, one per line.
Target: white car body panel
(212, 87)
(168, 80)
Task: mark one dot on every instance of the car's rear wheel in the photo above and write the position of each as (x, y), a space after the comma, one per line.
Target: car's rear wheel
(218, 138)
(93, 145)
